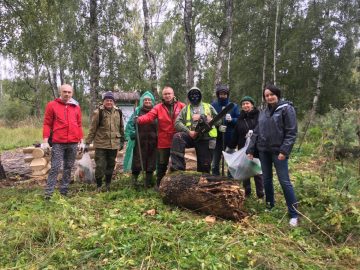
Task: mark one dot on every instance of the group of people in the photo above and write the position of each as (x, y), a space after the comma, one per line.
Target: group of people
(157, 133)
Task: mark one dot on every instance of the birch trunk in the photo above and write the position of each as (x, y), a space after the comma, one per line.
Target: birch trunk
(95, 55)
(223, 43)
(150, 57)
(190, 44)
(275, 38)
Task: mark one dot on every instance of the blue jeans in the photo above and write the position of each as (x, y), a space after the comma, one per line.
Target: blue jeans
(282, 171)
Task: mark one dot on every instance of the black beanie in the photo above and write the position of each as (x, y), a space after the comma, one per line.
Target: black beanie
(276, 91)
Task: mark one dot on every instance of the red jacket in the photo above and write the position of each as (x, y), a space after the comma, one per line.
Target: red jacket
(166, 122)
(64, 120)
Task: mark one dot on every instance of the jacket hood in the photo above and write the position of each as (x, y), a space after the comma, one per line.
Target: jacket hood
(147, 94)
(194, 95)
(71, 101)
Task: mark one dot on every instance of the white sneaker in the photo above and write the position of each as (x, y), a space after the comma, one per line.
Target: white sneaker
(293, 222)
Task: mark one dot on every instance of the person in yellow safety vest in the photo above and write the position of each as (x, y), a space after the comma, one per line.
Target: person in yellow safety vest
(187, 137)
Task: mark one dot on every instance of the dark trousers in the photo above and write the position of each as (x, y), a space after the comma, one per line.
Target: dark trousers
(282, 170)
(163, 155)
(183, 140)
(259, 185)
(105, 164)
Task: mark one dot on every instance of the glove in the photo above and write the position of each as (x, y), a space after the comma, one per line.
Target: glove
(228, 117)
(84, 147)
(249, 134)
(222, 128)
(45, 146)
(229, 150)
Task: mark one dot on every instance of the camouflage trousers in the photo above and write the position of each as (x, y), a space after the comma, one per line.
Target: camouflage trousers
(105, 164)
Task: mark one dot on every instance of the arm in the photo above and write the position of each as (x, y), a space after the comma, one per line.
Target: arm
(213, 114)
(121, 127)
(48, 122)
(290, 130)
(79, 120)
(252, 145)
(180, 120)
(93, 127)
(149, 117)
(234, 116)
(234, 138)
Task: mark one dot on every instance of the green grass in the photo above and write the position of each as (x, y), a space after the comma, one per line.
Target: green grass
(92, 230)
(19, 137)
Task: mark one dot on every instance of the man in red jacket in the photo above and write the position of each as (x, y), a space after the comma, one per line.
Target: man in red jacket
(63, 119)
(166, 113)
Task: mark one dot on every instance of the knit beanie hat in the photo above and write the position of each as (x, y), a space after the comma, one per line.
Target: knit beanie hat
(109, 95)
(222, 88)
(247, 98)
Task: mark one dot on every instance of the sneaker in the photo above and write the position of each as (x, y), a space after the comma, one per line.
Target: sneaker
(293, 222)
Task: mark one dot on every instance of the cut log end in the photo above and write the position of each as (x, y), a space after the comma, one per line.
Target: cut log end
(218, 197)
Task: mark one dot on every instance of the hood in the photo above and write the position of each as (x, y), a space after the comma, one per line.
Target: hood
(71, 101)
(194, 96)
(147, 94)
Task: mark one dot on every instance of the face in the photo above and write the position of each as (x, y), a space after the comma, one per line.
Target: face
(66, 92)
(147, 102)
(247, 106)
(108, 103)
(223, 95)
(168, 94)
(270, 97)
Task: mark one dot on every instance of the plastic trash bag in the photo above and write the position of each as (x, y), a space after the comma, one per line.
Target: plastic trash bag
(84, 171)
(240, 166)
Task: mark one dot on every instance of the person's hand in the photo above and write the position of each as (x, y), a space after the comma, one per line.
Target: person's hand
(209, 118)
(281, 156)
(229, 150)
(45, 146)
(192, 134)
(195, 117)
(222, 128)
(81, 147)
(228, 117)
(136, 119)
(249, 134)
(250, 156)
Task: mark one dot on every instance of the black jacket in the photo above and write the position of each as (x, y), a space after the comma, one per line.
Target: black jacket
(276, 131)
(246, 121)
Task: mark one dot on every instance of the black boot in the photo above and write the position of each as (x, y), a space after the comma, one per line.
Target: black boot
(98, 184)
(134, 180)
(107, 182)
(148, 179)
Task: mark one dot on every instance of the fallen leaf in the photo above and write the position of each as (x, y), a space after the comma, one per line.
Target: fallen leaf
(210, 219)
(151, 212)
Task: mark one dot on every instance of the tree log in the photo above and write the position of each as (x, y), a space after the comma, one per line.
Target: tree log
(38, 153)
(28, 150)
(347, 152)
(2, 171)
(37, 164)
(205, 194)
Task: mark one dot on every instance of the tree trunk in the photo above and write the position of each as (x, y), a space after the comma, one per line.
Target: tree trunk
(275, 38)
(190, 43)
(265, 51)
(37, 99)
(52, 81)
(148, 53)
(223, 43)
(95, 55)
(205, 194)
(316, 96)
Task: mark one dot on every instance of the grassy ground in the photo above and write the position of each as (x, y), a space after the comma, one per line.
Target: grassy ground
(90, 230)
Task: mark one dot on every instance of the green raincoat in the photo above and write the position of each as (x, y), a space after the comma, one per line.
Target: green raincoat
(130, 132)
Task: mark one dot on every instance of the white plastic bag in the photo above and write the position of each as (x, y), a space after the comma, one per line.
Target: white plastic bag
(85, 171)
(240, 166)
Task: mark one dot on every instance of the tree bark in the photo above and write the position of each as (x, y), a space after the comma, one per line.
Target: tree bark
(95, 55)
(265, 50)
(52, 81)
(205, 194)
(190, 43)
(2, 171)
(223, 43)
(148, 53)
(275, 38)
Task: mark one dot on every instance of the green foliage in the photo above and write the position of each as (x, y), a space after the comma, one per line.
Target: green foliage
(13, 111)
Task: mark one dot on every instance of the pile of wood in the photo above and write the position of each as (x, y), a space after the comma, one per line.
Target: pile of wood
(39, 160)
(206, 194)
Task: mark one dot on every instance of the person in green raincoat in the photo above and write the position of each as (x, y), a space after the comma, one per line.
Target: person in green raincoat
(148, 142)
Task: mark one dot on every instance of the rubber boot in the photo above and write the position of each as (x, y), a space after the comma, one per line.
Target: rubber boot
(134, 181)
(107, 182)
(148, 179)
(98, 184)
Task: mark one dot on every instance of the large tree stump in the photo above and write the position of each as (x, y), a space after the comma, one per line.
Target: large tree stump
(2, 171)
(205, 194)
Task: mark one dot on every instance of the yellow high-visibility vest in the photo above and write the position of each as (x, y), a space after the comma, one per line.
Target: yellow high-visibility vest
(207, 111)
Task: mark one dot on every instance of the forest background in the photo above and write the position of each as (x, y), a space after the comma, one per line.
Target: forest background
(310, 49)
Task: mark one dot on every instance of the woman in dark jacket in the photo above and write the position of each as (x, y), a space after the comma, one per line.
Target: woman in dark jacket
(274, 138)
(247, 120)
(148, 141)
